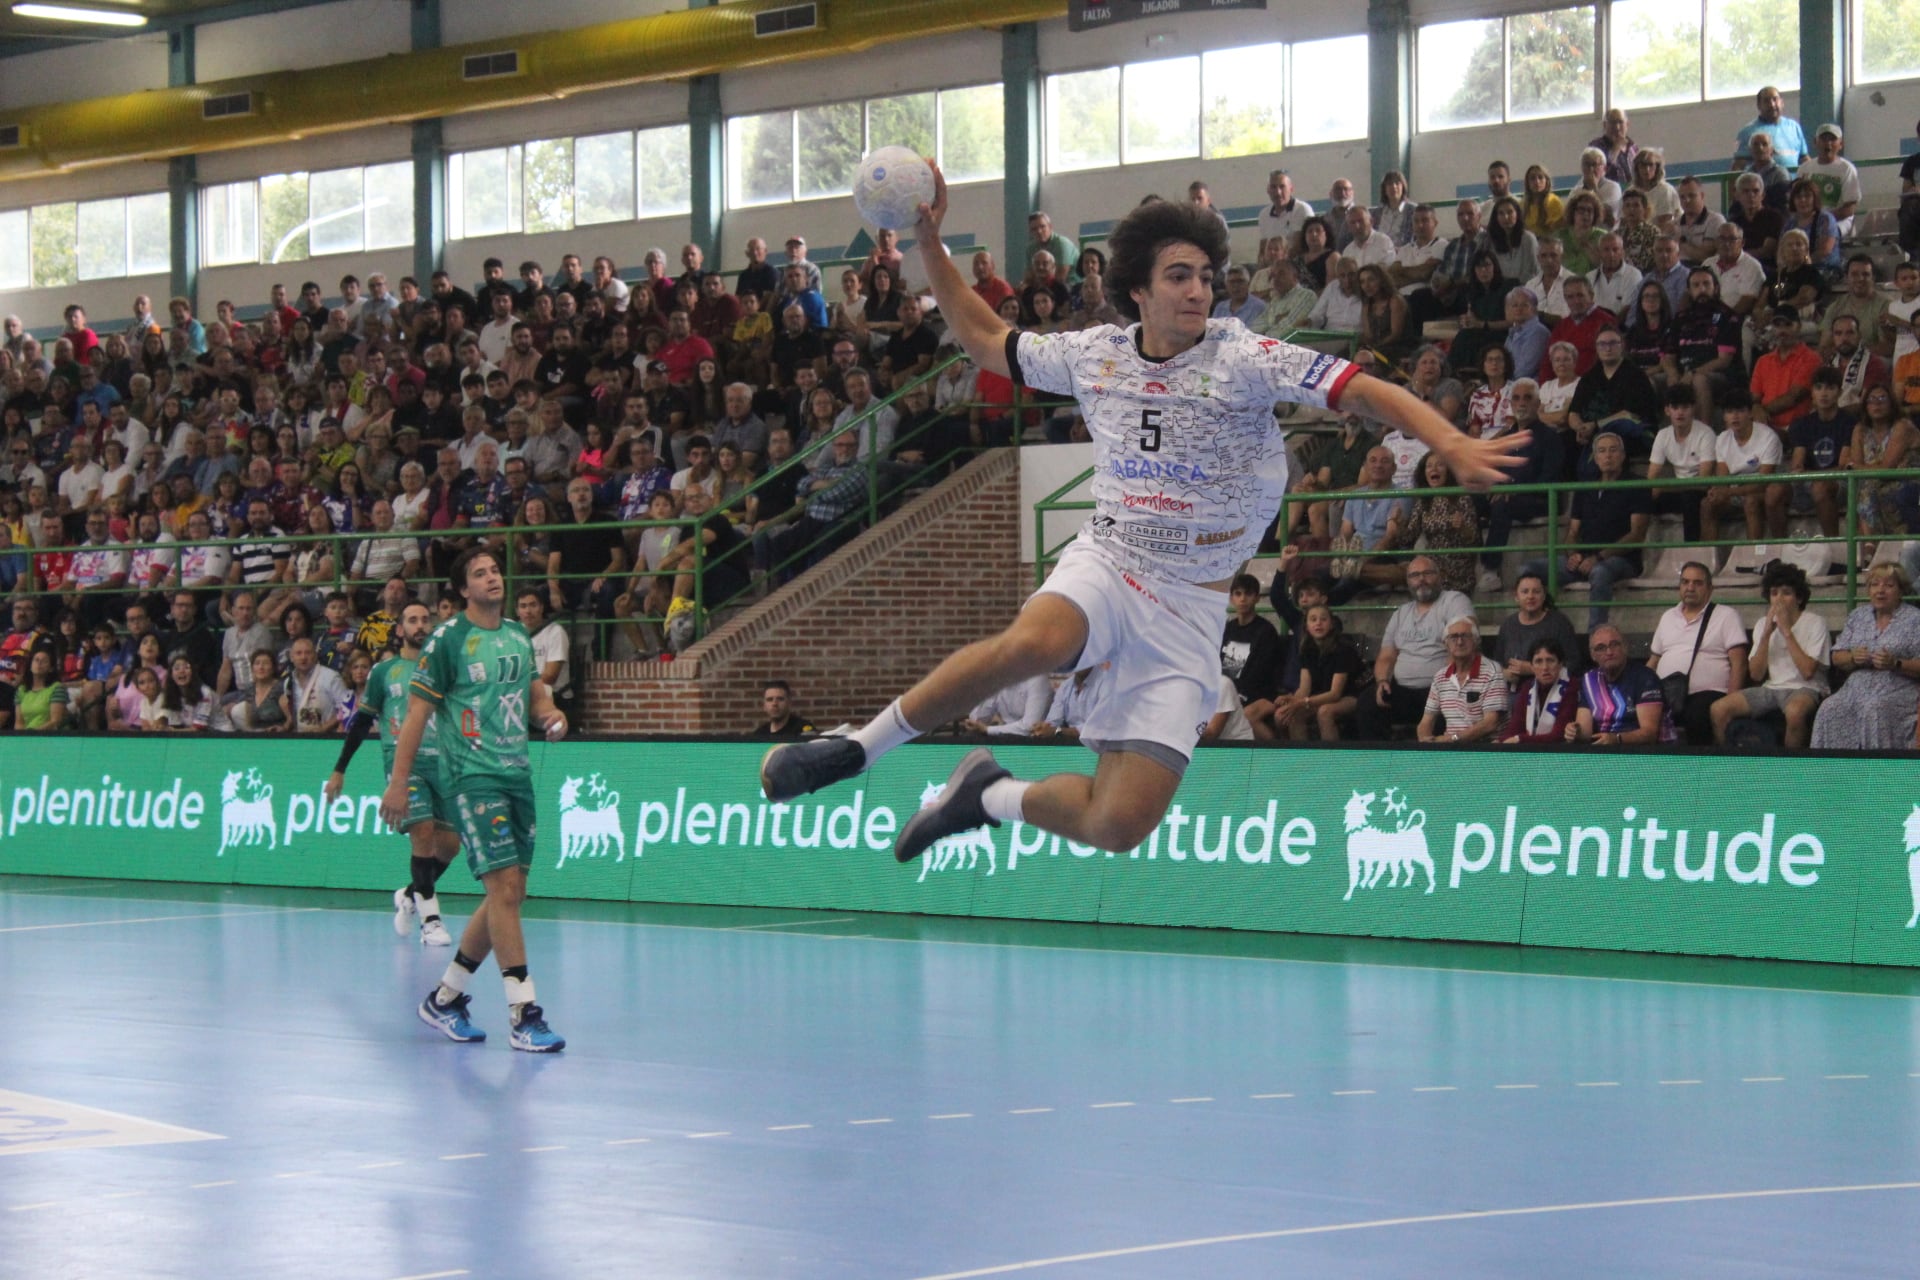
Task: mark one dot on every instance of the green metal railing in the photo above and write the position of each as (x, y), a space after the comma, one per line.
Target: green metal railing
(1558, 505)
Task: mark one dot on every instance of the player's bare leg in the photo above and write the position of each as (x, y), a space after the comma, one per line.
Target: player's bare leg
(1047, 636)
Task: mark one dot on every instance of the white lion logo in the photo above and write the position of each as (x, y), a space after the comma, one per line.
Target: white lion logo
(1913, 862)
(589, 828)
(246, 811)
(961, 852)
(1372, 852)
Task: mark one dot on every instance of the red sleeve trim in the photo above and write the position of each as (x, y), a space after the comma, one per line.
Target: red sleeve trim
(1340, 385)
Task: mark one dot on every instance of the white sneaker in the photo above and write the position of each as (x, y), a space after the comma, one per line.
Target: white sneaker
(404, 911)
(1489, 583)
(433, 933)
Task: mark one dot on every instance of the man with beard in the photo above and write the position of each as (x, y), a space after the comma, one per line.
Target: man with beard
(1413, 650)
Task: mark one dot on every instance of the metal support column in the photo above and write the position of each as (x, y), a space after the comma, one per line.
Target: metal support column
(1020, 194)
(429, 163)
(1389, 86)
(183, 186)
(1823, 45)
(705, 155)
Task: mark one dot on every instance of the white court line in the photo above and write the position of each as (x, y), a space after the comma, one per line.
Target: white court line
(625, 1142)
(1352, 1093)
(532, 1150)
(1140, 951)
(1270, 1095)
(1761, 1079)
(714, 1133)
(28, 1208)
(875, 1120)
(383, 1164)
(471, 1155)
(1516, 1086)
(436, 1275)
(953, 1115)
(1436, 1088)
(210, 915)
(778, 924)
(1596, 1084)
(1679, 1082)
(1419, 1220)
(1182, 1100)
(786, 1128)
(1846, 1077)
(205, 1186)
(1099, 1106)
(1029, 1111)
(71, 891)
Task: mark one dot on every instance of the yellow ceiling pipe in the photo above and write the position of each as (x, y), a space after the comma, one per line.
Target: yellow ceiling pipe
(160, 123)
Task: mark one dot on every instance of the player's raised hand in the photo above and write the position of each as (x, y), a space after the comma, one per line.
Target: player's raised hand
(1481, 464)
(926, 228)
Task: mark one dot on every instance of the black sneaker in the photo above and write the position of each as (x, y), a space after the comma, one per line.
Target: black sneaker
(958, 808)
(796, 769)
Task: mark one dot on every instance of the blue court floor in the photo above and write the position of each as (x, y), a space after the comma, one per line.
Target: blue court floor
(212, 1082)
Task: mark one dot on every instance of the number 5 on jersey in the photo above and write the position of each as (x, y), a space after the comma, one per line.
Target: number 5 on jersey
(1150, 430)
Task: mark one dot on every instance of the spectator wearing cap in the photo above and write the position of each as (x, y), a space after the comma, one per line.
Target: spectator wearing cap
(1838, 181)
(1467, 701)
(797, 257)
(1782, 381)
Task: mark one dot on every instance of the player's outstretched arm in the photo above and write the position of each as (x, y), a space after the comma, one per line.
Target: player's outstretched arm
(1475, 463)
(979, 330)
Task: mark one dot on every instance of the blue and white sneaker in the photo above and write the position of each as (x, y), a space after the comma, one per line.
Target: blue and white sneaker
(533, 1034)
(450, 1019)
(405, 911)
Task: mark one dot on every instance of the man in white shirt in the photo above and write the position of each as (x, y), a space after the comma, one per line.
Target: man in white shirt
(1339, 203)
(496, 336)
(315, 692)
(876, 432)
(1616, 282)
(1414, 262)
(1284, 216)
(80, 483)
(552, 658)
(1339, 309)
(1834, 176)
(611, 286)
(1364, 246)
(1683, 449)
(1742, 279)
(1548, 287)
(128, 430)
(1720, 665)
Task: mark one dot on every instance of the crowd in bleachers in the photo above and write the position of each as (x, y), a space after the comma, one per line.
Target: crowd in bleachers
(1624, 323)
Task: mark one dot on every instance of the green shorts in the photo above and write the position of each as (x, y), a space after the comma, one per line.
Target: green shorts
(428, 802)
(496, 826)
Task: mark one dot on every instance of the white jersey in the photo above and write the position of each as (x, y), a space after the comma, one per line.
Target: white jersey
(1190, 465)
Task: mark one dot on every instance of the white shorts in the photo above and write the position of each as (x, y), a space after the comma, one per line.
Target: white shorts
(1163, 639)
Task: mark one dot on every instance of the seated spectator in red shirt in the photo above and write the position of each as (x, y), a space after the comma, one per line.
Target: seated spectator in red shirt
(986, 282)
(684, 349)
(1582, 325)
(1782, 382)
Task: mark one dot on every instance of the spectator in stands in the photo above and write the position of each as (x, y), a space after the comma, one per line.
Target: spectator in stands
(1483, 319)
(1541, 463)
(1882, 441)
(1879, 652)
(1386, 333)
(1580, 237)
(1684, 449)
(1339, 204)
(758, 277)
(1014, 711)
(1240, 302)
(1864, 304)
(1744, 449)
(823, 503)
(1535, 619)
(1614, 395)
(782, 721)
(261, 706)
(1704, 350)
(1787, 669)
(1787, 140)
(1412, 651)
(1595, 182)
(40, 702)
(986, 280)
(1372, 518)
(1545, 212)
(1670, 270)
(1515, 247)
(1318, 258)
(1363, 244)
(1467, 701)
(1819, 441)
(1615, 281)
(1284, 218)
(1527, 337)
(1490, 405)
(1859, 366)
(1703, 643)
(315, 692)
(1607, 524)
(1330, 678)
(1582, 325)
(1620, 701)
(1546, 703)
(1042, 236)
(1782, 381)
(1393, 216)
(1806, 213)
(1759, 222)
(1548, 286)
(1341, 308)
(1442, 523)
(190, 635)
(1250, 653)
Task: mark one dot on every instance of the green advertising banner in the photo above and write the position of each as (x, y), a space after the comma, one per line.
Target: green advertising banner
(1804, 859)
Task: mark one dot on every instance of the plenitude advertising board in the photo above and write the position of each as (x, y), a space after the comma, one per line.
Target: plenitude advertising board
(1804, 858)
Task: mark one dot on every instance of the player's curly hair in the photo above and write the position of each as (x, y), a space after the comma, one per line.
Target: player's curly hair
(457, 574)
(1140, 236)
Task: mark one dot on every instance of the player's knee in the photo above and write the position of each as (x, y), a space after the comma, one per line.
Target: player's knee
(508, 888)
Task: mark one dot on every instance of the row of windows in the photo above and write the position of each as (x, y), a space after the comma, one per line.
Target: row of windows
(810, 153)
(55, 245)
(1231, 102)
(1655, 53)
(561, 183)
(289, 217)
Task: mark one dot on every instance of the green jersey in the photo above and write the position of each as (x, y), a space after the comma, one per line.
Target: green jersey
(386, 698)
(480, 683)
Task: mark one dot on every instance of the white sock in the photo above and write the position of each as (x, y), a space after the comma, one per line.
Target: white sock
(884, 732)
(453, 984)
(1002, 799)
(429, 907)
(519, 991)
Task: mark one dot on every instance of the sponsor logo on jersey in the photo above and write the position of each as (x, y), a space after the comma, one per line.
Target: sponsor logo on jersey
(1148, 469)
(1214, 539)
(1154, 388)
(1157, 502)
(1268, 344)
(1118, 339)
(1134, 582)
(1149, 537)
(1317, 371)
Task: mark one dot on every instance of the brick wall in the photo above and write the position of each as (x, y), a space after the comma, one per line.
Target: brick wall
(854, 632)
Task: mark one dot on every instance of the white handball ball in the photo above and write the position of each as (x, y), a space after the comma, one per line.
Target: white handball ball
(892, 184)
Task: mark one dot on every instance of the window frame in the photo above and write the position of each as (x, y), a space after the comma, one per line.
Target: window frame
(362, 211)
(1602, 71)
